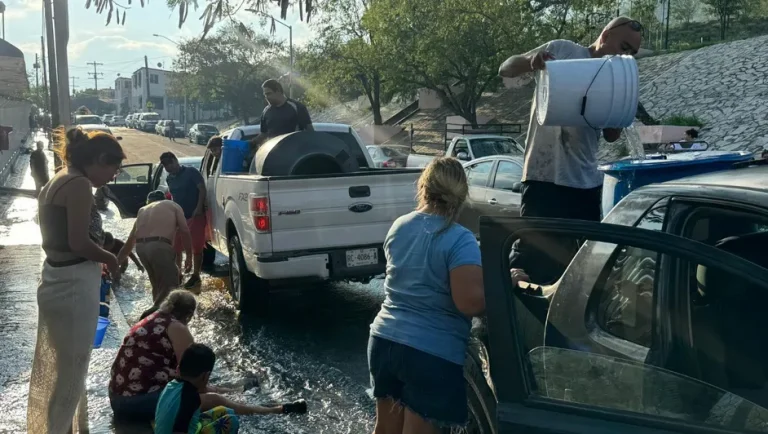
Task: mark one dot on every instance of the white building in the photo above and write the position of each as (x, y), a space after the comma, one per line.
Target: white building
(156, 79)
(123, 92)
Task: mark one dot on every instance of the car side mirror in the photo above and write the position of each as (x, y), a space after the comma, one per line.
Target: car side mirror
(463, 156)
(517, 187)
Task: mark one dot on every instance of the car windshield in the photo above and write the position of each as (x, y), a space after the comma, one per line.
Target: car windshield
(392, 153)
(150, 117)
(207, 128)
(88, 120)
(494, 146)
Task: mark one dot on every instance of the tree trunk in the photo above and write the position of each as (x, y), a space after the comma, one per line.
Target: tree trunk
(376, 103)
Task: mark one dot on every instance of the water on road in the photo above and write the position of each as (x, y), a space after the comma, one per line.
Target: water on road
(312, 345)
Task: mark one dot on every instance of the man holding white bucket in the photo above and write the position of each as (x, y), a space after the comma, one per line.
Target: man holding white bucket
(560, 176)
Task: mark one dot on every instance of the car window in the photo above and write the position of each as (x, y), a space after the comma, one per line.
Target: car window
(133, 174)
(461, 146)
(477, 174)
(717, 380)
(507, 175)
(494, 146)
(616, 384)
(626, 287)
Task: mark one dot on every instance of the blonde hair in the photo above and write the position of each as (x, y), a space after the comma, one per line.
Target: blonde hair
(442, 189)
(179, 303)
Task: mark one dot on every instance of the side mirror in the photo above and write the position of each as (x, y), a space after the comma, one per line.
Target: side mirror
(463, 156)
(517, 187)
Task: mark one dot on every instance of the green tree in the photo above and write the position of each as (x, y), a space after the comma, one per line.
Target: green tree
(684, 11)
(725, 11)
(229, 66)
(452, 47)
(344, 61)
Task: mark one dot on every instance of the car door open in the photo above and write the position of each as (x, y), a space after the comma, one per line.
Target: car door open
(130, 188)
(588, 381)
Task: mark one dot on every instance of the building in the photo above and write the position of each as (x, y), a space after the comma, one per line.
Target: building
(156, 80)
(123, 93)
(15, 110)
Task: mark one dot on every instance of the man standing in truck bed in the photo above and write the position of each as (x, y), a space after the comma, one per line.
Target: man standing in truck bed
(282, 115)
(560, 176)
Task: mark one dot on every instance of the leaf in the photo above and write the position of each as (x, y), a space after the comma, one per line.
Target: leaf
(181, 12)
(88, 4)
(109, 15)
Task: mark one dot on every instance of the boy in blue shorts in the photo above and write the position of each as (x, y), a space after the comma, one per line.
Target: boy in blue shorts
(184, 409)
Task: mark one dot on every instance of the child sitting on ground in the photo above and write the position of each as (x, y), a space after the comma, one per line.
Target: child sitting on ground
(113, 245)
(184, 408)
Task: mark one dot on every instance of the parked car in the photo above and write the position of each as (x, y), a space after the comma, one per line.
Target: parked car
(494, 189)
(160, 127)
(148, 121)
(118, 121)
(102, 128)
(470, 147)
(655, 326)
(385, 156)
(107, 119)
(88, 120)
(269, 225)
(178, 129)
(201, 133)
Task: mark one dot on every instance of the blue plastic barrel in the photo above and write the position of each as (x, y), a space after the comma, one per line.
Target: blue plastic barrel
(101, 331)
(624, 176)
(233, 152)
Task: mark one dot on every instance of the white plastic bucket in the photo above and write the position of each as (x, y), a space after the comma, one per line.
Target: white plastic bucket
(610, 85)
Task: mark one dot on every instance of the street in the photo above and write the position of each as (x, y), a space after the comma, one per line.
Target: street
(312, 345)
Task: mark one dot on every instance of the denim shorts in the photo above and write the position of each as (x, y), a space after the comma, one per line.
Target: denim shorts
(428, 385)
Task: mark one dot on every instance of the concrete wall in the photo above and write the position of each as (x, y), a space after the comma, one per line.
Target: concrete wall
(14, 114)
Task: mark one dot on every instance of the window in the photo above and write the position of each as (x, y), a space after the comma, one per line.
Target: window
(461, 146)
(626, 287)
(138, 79)
(127, 85)
(507, 175)
(153, 78)
(138, 174)
(477, 175)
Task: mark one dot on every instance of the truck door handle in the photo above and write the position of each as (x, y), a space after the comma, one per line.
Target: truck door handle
(492, 201)
(360, 191)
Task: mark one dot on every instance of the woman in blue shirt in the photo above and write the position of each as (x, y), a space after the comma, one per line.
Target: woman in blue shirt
(434, 286)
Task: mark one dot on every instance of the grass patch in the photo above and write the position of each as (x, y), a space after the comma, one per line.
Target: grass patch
(682, 121)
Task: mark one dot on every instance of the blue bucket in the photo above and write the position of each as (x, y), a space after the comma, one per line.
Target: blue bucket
(101, 331)
(624, 176)
(233, 152)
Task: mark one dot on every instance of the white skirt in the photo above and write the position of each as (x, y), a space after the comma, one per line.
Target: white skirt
(68, 306)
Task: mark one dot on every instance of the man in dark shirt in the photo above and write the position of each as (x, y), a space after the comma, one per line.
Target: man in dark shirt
(38, 165)
(282, 115)
(172, 130)
(187, 188)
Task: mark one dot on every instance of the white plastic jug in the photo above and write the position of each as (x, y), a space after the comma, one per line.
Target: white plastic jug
(595, 93)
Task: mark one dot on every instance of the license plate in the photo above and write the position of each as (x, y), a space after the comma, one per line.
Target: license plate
(360, 257)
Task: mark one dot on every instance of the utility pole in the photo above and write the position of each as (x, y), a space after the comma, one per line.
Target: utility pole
(37, 73)
(46, 101)
(666, 31)
(73, 85)
(60, 9)
(54, 81)
(146, 78)
(95, 74)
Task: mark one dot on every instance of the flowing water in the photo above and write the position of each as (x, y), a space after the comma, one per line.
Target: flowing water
(634, 144)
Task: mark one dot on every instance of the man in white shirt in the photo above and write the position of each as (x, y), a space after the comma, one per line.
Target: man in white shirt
(560, 176)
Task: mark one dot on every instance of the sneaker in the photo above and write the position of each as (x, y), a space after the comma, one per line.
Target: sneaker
(193, 282)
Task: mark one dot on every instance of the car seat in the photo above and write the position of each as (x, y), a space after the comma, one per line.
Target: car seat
(729, 333)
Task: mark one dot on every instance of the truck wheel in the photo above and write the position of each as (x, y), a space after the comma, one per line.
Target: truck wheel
(249, 292)
(481, 400)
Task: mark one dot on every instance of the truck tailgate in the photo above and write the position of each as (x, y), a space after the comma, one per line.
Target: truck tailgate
(350, 210)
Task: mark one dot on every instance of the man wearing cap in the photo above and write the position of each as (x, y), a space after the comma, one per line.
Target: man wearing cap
(154, 230)
(560, 176)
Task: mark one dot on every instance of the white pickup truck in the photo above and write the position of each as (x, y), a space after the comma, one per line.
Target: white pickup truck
(290, 229)
(470, 147)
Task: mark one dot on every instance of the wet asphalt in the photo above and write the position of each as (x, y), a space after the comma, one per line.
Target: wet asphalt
(312, 344)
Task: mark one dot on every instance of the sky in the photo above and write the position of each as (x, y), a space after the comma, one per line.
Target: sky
(121, 48)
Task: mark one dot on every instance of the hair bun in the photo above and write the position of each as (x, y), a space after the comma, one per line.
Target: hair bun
(76, 136)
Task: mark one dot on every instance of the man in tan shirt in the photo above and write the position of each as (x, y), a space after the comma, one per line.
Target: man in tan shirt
(153, 233)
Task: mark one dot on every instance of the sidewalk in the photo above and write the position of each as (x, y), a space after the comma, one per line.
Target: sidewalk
(20, 261)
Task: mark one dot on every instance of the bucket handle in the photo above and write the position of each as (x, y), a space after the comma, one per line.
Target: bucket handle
(586, 92)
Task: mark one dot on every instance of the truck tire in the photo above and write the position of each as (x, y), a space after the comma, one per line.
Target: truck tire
(481, 400)
(250, 293)
(306, 153)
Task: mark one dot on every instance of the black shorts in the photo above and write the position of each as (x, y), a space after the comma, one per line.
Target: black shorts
(428, 385)
(546, 258)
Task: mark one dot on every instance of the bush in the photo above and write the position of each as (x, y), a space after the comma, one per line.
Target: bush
(683, 121)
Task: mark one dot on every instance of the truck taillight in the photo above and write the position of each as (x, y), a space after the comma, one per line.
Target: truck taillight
(259, 207)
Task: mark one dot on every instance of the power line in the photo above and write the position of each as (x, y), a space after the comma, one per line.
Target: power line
(95, 74)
